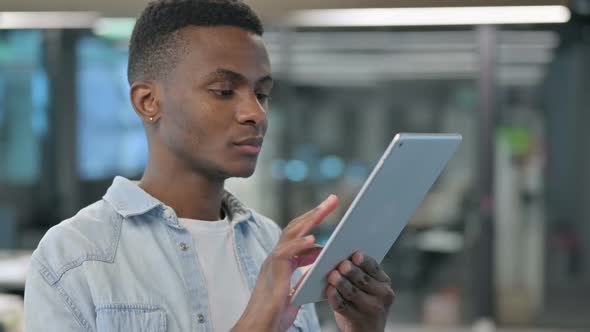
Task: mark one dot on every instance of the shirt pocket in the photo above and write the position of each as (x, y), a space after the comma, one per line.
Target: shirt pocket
(298, 325)
(130, 318)
(300, 322)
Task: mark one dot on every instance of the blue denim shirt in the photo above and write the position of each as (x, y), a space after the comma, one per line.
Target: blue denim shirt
(124, 263)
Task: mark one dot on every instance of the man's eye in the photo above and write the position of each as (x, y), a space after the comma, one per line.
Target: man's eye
(262, 97)
(223, 93)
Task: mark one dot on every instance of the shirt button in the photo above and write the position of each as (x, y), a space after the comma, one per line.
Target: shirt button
(167, 213)
(183, 246)
(201, 318)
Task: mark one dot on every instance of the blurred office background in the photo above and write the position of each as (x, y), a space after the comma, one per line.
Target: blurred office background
(502, 239)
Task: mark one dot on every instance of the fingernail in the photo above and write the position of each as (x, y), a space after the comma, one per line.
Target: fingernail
(326, 200)
(362, 258)
(347, 267)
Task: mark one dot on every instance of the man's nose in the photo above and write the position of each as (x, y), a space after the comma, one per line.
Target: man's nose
(252, 111)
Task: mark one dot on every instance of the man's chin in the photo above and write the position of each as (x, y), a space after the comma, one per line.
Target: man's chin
(244, 173)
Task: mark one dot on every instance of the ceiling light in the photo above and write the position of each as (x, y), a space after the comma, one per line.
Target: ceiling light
(47, 20)
(371, 17)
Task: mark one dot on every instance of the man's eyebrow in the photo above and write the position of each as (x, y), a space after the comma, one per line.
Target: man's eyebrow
(237, 77)
(265, 79)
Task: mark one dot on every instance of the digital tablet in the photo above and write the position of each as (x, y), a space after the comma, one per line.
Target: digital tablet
(387, 200)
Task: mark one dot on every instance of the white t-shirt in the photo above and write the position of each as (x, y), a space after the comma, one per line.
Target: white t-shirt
(228, 291)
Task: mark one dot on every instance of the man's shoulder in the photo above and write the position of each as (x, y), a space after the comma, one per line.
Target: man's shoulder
(265, 221)
(269, 229)
(92, 234)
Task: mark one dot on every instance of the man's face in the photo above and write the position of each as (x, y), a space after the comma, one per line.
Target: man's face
(215, 102)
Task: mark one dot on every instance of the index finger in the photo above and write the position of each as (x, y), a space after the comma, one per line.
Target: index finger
(305, 223)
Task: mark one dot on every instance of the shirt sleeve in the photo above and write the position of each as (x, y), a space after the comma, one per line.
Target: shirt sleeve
(48, 307)
(313, 324)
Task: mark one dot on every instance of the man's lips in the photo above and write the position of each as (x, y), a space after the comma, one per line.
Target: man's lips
(254, 140)
(249, 145)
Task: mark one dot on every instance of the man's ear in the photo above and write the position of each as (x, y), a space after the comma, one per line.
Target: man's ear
(145, 98)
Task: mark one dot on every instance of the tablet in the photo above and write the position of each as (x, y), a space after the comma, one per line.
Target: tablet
(386, 202)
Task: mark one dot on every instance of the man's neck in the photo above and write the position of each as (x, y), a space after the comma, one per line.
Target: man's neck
(190, 194)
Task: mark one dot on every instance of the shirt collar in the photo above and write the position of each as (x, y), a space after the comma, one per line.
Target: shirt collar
(128, 199)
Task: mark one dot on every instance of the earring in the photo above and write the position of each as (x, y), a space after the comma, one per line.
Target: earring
(151, 118)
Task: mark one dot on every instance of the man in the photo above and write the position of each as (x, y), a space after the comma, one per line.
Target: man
(175, 252)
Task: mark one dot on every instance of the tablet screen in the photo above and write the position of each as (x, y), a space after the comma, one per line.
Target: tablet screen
(385, 204)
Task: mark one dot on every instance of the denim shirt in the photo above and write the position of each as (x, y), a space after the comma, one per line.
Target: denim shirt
(125, 263)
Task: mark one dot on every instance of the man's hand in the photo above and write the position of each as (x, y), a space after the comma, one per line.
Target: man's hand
(360, 294)
(269, 308)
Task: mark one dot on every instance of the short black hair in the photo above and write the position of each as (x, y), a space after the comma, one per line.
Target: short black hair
(155, 43)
